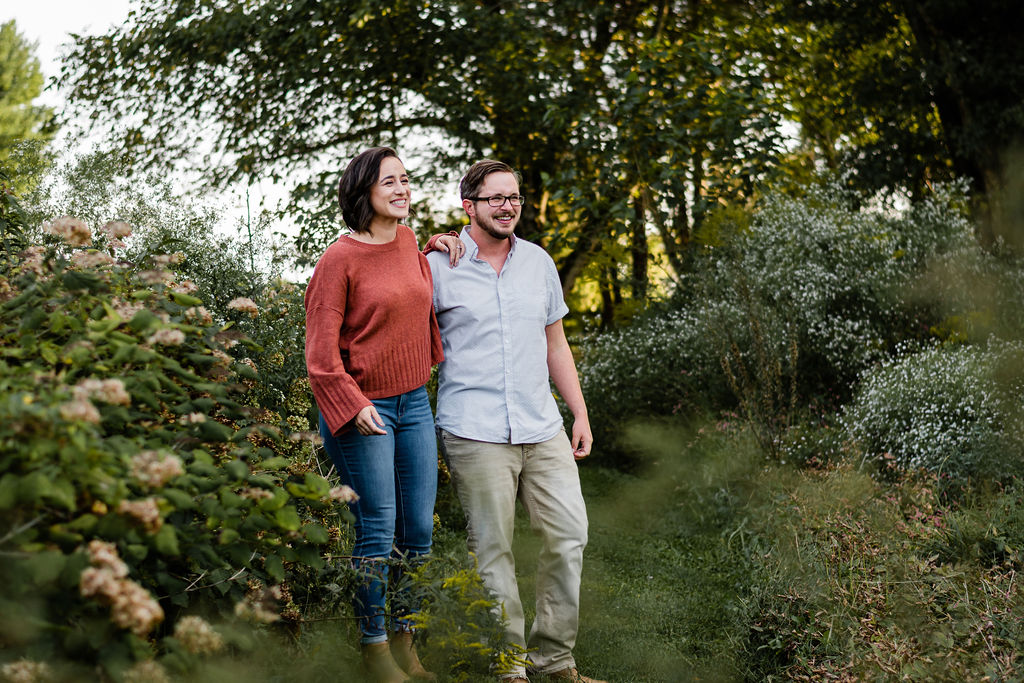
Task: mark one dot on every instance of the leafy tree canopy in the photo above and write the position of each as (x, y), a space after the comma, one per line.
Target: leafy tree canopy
(25, 127)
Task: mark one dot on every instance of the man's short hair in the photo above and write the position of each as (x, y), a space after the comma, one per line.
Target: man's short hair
(474, 178)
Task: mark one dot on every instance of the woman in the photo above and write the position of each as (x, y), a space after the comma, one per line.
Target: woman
(371, 340)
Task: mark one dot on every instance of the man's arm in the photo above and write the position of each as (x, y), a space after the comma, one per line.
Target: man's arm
(562, 369)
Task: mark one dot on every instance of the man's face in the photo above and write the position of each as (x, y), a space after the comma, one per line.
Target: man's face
(497, 221)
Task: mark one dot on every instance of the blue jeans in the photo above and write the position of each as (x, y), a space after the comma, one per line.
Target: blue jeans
(395, 476)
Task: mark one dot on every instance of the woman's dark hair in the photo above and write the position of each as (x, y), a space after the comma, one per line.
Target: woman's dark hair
(354, 187)
(474, 178)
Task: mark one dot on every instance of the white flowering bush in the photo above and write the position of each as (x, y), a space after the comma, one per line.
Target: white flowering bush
(784, 313)
(955, 411)
(140, 484)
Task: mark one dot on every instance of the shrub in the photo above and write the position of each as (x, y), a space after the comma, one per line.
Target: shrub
(947, 409)
(784, 313)
(136, 488)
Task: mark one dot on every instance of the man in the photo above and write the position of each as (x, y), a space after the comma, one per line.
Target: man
(500, 312)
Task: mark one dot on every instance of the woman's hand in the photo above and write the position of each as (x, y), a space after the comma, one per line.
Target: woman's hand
(367, 422)
(453, 245)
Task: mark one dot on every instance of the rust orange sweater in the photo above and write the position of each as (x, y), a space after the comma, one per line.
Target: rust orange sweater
(370, 325)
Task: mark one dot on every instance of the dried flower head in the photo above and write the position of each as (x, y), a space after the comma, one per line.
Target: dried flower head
(26, 671)
(344, 494)
(116, 229)
(197, 636)
(72, 230)
(154, 469)
(185, 287)
(146, 671)
(245, 305)
(156, 277)
(91, 259)
(80, 410)
(199, 314)
(107, 390)
(167, 337)
(145, 512)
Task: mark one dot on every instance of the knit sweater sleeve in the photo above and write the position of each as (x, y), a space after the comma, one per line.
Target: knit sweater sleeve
(337, 395)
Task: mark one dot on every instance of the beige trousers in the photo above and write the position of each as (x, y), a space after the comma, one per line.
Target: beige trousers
(488, 479)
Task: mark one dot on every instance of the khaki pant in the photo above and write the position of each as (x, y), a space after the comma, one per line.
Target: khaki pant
(488, 479)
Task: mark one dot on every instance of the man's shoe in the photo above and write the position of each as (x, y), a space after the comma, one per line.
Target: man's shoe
(572, 675)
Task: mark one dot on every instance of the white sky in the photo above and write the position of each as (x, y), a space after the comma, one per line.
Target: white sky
(49, 23)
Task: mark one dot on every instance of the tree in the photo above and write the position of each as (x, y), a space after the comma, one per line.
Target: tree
(285, 91)
(25, 128)
(905, 93)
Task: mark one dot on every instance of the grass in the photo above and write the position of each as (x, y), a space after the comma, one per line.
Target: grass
(711, 564)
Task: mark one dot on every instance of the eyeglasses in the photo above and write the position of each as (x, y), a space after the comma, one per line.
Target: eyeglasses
(499, 200)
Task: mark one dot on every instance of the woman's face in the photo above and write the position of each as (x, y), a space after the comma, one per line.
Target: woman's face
(389, 197)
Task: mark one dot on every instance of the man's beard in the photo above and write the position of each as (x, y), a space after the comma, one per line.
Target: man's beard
(491, 229)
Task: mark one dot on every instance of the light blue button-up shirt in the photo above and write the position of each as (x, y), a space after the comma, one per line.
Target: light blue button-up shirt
(494, 383)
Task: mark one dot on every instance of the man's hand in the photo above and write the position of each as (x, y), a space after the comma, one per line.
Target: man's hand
(582, 439)
(367, 422)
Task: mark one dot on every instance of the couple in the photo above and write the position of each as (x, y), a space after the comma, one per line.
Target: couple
(379, 315)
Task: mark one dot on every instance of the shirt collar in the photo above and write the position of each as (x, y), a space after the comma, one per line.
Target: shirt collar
(472, 250)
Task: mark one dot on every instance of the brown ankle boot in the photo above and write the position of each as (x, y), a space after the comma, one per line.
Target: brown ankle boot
(380, 665)
(404, 652)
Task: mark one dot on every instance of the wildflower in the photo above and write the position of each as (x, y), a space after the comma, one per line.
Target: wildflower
(91, 259)
(197, 636)
(344, 494)
(222, 358)
(245, 305)
(26, 671)
(80, 410)
(167, 337)
(192, 419)
(74, 231)
(154, 469)
(116, 229)
(146, 671)
(144, 511)
(185, 287)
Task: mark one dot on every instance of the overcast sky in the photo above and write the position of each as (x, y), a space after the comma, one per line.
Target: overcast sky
(48, 23)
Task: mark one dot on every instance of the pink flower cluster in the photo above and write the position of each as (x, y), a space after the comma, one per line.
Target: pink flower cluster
(80, 410)
(26, 671)
(154, 469)
(131, 605)
(91, 259)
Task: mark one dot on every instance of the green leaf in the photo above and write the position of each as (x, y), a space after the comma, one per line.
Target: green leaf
(274, 567)
(166, 540)
(185, 299)
(287, 518)
(143, 320)
(316, 533)
(214, 431)
(237, 469)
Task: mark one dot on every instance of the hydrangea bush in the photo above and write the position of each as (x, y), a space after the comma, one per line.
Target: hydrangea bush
(142, 491)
